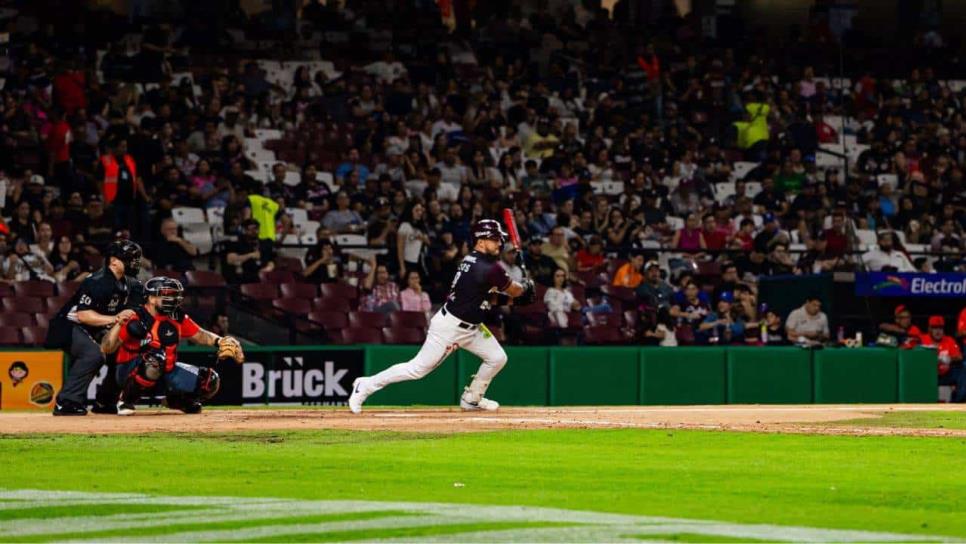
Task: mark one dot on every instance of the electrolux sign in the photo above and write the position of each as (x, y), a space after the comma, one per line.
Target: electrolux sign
(894, 284)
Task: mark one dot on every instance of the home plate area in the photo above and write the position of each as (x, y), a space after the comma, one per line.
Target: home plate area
(36, 515)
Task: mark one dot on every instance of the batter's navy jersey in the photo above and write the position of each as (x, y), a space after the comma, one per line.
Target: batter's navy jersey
(104, 294)
(478, 275)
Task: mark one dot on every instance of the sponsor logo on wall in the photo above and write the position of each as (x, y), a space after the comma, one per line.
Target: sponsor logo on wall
(895, 284)
(29, 379)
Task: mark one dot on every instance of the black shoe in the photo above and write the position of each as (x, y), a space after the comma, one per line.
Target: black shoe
(101, 408)
(67, 408)
(191, 408)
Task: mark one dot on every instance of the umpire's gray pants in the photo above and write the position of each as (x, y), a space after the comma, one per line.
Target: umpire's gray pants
(85, 361)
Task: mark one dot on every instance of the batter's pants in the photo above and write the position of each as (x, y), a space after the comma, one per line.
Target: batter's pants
(446, 334)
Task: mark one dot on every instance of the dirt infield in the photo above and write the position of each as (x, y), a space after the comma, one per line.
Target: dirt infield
(794, 419)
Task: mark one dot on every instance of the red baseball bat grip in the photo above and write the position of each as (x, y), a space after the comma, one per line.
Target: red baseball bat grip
(511, 227)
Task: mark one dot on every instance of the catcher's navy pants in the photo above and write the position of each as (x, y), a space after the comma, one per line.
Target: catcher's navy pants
(183, 378)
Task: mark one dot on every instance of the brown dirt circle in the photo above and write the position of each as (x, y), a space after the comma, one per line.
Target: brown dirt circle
(818, 419)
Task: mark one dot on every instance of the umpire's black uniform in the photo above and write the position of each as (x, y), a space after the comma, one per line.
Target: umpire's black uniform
(106, 294)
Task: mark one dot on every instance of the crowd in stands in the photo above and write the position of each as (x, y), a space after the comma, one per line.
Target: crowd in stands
(653, 181)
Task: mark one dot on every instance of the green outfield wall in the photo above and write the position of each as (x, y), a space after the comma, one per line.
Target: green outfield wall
(560, 376)
(568, 376)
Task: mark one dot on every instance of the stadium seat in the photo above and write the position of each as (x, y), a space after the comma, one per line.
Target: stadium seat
(362, 335)
(205, 279)
(579, 292)
(66, 287)
(308, 291)
(740, 169)
(42, 320)
(34, 336)
(334, 304)
(403, 335)
(339, 290)
(176, 274)
(28, 305)
(296, 306)
(299, 215)
(684, 335)
(6, 290)
(277, 277)
(16, 319)
(367, 319)
(867, 237)
(292, 264)
(415, 320)
(602, 335)
(33, 288)
(624, 294)
(329, 319)
(259, 291)
(188, 216)
(199, 234)
(10, 336)
(54, 304)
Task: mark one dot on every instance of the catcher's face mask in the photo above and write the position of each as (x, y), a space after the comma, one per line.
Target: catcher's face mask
(166, 294)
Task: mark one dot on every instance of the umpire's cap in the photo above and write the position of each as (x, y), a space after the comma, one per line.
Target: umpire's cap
(128, 253)
(489, 229)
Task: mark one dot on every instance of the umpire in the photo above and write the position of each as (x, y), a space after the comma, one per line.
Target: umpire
(82, 322)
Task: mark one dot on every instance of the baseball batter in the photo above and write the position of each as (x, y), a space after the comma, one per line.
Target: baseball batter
(458, 324)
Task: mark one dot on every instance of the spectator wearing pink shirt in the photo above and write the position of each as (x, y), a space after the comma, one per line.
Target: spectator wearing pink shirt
(383, 293)
(413, 298)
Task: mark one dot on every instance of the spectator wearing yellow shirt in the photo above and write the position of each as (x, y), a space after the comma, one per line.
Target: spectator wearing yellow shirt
(540, 144)
(629, 275)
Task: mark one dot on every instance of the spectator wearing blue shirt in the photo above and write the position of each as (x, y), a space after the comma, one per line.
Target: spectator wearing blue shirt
(721, 326)
(352, 164)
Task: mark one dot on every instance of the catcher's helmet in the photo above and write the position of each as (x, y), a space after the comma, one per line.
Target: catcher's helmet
(489, 229)
(168, 290)
(128, 253)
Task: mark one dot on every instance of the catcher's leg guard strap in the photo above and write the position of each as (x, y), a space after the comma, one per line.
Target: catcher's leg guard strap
(208, 384)
(141, 379)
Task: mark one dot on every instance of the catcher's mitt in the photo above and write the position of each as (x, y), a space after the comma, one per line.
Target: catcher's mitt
(529, 295)
(230, 348)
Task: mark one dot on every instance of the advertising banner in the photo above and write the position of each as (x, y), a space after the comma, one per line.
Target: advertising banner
(289, 375)
(298, 376)
(907, 284)
(30, 379)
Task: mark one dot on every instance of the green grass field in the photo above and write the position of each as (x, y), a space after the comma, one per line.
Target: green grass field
(893, 484)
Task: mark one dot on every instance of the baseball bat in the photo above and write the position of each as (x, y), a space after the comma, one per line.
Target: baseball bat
(511, 229)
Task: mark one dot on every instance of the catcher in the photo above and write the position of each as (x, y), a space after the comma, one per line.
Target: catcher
(147, 351)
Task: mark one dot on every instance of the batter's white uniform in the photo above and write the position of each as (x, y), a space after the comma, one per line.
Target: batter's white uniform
(456, 325)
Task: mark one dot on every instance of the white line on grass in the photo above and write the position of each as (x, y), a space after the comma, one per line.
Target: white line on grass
(591, 526)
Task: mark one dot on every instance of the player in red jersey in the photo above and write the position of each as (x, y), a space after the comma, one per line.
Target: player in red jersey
(147, 351)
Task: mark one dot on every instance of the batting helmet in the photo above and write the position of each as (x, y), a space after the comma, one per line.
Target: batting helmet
(489, 229)
(128, 253)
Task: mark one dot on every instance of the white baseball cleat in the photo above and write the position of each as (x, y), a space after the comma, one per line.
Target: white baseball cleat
(484, 404)
(358, 396)
(125, 408)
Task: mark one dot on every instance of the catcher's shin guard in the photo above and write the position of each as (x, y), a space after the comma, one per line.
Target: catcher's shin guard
(190, 403)
(209, 383)
(147, 372)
